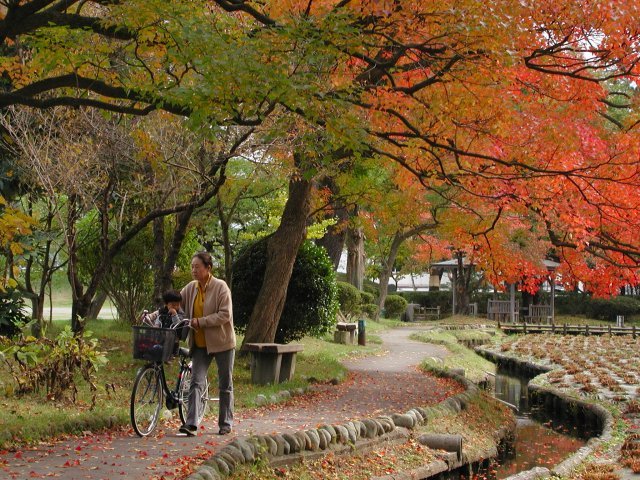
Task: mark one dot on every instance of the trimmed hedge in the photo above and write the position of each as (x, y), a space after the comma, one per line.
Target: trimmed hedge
(394, 306)
(348, 298)
(608, 309)
(576, 303)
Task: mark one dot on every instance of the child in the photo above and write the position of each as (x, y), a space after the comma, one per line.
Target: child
(170, 314)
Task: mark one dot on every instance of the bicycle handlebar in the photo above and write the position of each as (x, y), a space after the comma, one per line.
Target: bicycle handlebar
(184, 322)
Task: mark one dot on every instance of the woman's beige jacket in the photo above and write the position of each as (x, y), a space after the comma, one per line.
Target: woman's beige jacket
(217, 321)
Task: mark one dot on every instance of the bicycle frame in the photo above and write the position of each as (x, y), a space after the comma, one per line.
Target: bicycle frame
(171, 396)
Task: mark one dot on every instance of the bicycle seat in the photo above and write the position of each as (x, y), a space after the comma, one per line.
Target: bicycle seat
(184, 352)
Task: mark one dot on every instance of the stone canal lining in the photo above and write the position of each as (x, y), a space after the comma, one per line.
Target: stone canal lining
(561, 405)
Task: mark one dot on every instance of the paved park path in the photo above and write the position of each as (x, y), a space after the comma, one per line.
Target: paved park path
(384, 383)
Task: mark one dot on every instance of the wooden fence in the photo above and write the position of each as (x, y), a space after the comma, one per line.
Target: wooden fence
(566, 329)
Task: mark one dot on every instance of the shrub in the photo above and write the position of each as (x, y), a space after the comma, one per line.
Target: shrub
(367, 298)
(394, 306)
(369, 309)
(608, 309)
(576, 303)
(370, 288)
(571, 303)
(11, 314)
(349, 299)
(311, 304)
(40, 363)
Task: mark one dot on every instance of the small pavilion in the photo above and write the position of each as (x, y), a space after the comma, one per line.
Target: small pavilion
(451, 267)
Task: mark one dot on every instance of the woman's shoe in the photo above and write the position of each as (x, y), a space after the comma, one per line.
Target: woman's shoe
(188, 430)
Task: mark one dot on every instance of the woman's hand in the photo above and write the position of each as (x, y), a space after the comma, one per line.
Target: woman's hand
(195, 323)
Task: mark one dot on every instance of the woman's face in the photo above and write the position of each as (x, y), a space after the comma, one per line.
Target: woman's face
(199, 271)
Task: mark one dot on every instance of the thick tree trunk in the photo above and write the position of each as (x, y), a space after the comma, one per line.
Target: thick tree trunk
(355, 257)
(282, 249)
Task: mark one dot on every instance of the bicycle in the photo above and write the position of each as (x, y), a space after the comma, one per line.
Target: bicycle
(150, 388)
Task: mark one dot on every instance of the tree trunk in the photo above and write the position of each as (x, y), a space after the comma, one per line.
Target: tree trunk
(165, 258)
(158, 260)
(333, 243)
(226, 242)
(355, 257)
(77, 325)
(463, 283)
(387, 265)
(282, 249)
(96, 305)
(334, 238)
(387, 269)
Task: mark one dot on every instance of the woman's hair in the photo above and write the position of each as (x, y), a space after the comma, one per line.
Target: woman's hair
(171, 296)
(205, 257)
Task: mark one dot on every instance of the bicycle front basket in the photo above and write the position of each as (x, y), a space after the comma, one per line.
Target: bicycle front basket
(153, 344)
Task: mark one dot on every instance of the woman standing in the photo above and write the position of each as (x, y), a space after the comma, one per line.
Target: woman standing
(207, 302)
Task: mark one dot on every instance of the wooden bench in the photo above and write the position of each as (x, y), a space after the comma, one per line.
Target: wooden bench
(272, 362)
(345, 333)
(539, 314)
(500, 310)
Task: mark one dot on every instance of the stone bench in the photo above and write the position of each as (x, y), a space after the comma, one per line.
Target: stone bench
(345, 333)
(272, 362)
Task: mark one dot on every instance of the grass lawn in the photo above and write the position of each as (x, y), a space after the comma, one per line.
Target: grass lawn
(32, 418)
(475, 367)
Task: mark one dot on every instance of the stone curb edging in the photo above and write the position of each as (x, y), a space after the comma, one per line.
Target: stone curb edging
(362, 435)
(282, 395)
(559, 400)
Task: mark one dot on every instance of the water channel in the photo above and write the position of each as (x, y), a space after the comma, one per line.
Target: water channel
(540, 440)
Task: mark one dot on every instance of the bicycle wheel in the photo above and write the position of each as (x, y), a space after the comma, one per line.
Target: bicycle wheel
(183, 397)
(146, 401)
